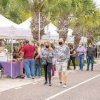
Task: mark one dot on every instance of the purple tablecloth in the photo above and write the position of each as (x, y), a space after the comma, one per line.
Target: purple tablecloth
(15, 68)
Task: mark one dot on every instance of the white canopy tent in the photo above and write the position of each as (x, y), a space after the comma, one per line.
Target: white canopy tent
(83, 40)
(4, 25)
(51, 37)
(10, 30)
(70, 31)
(70, 37)
(51, 32)
(26, 26)
(98, 43)
(98, 49)
(50, 28)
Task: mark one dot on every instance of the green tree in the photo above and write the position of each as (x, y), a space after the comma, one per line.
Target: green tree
(81, 15)
(85, 18)
(16, 10)
(51, 11)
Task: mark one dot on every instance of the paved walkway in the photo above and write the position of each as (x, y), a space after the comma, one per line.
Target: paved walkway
(8, 83)
(81, 86)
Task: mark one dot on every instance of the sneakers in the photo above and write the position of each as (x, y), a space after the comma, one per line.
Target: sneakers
(50, 84)
(87, 70)
(60, 83)
(27, 78)
(32, 77)
(74, 68)
(45, 83)
(91, 69)
(64, 86)
(69, 69)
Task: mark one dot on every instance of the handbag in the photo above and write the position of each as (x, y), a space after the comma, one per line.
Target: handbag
(43, 61)
(37, 61)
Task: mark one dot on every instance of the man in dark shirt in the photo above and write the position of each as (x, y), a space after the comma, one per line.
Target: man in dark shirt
(28, 54)
(72, 58)
(90, 57)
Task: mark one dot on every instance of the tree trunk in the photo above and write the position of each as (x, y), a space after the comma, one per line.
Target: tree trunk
(77, 34)
(63, 27)
(90, 37)
(35, 25)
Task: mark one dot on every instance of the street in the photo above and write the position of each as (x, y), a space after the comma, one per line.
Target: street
(82, 85)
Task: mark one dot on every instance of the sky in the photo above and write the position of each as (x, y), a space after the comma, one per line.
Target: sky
(97, 2)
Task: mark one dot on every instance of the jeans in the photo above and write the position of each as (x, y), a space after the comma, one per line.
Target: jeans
(47, 71)
(90, 60)
(29, 67)
(81, 61)
(37, 70)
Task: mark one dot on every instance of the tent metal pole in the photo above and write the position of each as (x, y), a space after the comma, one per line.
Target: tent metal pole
(11, 56)
(39, 27)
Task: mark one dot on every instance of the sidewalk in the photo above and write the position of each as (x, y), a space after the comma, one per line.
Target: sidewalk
(8, 83)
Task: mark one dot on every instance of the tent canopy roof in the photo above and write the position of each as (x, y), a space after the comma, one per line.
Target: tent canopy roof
(50, 28)
(10, 29)
(4, 22)
(98, 43)
(26, 24)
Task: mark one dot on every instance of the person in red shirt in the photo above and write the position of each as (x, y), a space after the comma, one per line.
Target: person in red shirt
(28, 55)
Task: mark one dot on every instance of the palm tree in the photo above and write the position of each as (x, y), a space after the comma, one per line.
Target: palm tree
(50, 10)
(84, 13)
(62, 11)
(3, 6)
(38, 21)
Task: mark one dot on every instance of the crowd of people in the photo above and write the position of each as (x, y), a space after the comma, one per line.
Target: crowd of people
(35, 57)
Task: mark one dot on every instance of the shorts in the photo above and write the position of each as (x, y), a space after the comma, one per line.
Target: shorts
(61, 66)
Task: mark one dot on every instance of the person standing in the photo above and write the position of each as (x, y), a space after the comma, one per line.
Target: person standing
(81, 50)
(15, 53)
(28, 54)
(20, 50)
(47, 54)
(90, 57)
(72, 58)
(38, 68)
(53, 61)
(62, 54)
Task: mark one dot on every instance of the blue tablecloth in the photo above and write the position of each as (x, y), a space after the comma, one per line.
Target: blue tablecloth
(16, 69)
